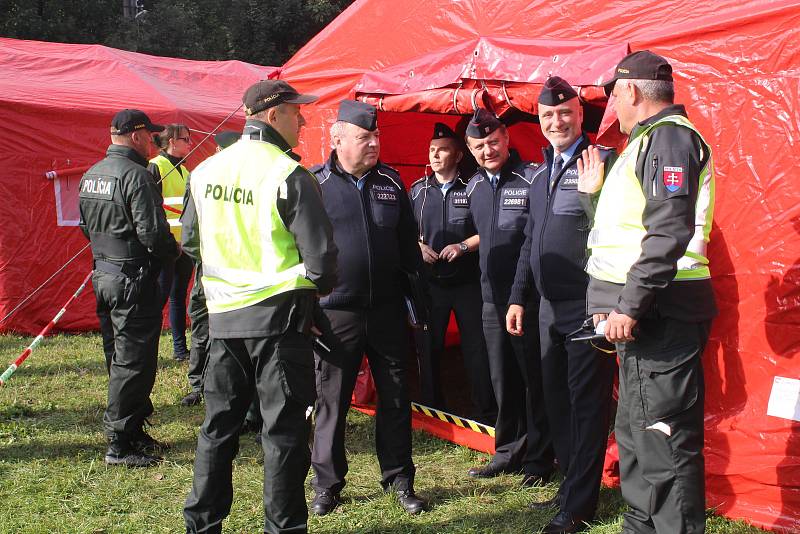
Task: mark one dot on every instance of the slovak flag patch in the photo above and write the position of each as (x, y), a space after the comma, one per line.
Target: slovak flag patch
(673, 178)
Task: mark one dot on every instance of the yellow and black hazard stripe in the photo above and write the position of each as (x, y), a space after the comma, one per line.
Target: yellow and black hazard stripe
(453, 419)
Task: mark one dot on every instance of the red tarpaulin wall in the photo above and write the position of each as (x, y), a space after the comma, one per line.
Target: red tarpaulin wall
(737, 70)
(56, 105)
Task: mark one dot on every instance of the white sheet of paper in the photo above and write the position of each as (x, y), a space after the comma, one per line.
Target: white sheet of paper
(784, 399)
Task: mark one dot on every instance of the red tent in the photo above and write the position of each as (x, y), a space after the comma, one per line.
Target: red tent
(56, 104)
(737, 71)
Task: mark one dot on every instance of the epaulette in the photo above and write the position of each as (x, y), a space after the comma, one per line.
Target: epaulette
(421, 180)
(382, 164)
(533, 165)
(315, 169)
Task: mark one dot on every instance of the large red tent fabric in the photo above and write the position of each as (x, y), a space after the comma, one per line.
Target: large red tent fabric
(56, 105)
(737, 70)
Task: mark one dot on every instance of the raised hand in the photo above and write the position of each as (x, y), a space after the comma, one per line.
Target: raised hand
(591, 169)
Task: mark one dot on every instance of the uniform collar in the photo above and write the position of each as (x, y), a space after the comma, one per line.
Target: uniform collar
(511, 163)
(674, 109)
(261, 131)
(172, 159)
(335, 167)
(581, 143)
(456, 182)
(126, 152)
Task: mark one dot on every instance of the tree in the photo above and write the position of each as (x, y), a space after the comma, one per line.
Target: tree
(265, 32)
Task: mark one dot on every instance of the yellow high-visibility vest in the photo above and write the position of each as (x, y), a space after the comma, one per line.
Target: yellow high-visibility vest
(615, 241)
(248, 254)
(173, 186)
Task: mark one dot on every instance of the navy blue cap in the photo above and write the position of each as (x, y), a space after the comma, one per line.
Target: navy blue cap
(358, 113)
(130, 120)
(482, 124)
(443, 131)
(556, 91)
(227, 138)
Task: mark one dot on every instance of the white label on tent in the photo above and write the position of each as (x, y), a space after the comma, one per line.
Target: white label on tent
(66, 190)
(784, 400)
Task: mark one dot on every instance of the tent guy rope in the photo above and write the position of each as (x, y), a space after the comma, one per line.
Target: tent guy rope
(60, 269)
(38, 339)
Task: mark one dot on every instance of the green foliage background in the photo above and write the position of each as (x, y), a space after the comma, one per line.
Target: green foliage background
(265, 32)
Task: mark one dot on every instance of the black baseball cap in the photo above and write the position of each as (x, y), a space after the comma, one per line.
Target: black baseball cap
(556, 91)
(359, 113)
(130, 120)
(268, 93)
(482, 124)
(641, 65)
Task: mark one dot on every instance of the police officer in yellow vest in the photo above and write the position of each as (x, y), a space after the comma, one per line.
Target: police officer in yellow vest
(255, 219)
(650, 283)
(172, 177)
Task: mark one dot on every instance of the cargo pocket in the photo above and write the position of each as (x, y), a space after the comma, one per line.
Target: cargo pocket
(669, 384)
(567, 202)
(512, 218)
(296, 371)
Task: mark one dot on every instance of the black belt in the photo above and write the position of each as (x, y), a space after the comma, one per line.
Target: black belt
(128, 269)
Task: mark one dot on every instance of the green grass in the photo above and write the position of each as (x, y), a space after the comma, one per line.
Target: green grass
(53, 479)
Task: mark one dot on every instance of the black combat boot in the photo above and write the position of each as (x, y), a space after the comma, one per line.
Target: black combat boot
(121, 452)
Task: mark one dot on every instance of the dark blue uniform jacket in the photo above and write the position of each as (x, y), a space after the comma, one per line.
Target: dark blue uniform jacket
(375, 232)
(443, 219)
(555, 252)
(500, 216)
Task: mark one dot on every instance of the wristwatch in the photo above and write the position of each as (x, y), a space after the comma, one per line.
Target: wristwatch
(463, 246)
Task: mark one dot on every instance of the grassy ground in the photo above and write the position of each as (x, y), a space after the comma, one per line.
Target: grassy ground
(53, 479)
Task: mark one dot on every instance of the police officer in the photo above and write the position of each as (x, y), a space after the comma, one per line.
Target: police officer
(498, 202)
(198, 311)
(171, 177)
(376, 236)
(576, 377)
(442, 214)
(256, 221)
(121, 215)
(650, 282)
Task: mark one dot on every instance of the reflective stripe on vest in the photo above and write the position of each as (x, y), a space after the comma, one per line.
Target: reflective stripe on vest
(615, 241)
(248, 254)
(173, 186)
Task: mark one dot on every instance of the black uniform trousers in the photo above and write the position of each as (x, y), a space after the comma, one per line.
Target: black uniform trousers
(129, 311)
(659, 427)
(198, 313)
(381, 333)
(465, 301)
(282, 368)
(577, 381)
(521, 436)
